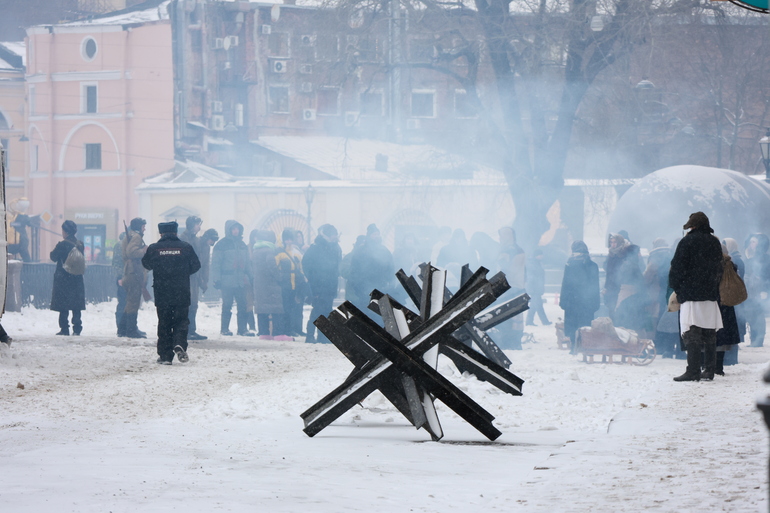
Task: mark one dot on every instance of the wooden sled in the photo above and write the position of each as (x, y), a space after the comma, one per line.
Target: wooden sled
(602, 338)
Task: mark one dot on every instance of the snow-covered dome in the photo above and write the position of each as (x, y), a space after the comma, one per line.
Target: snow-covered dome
(660, 204)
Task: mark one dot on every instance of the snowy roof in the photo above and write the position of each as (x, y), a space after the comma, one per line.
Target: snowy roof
(368, 159)
(18, 48)
(189, 173)
(127, 17)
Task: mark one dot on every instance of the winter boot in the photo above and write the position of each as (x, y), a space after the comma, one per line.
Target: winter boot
(122, 325)
(710, 361)
(225, 326)
(131, 330)
(243, 323)
(720, 366)
(693, 365)
(310, 330)
(181, 354)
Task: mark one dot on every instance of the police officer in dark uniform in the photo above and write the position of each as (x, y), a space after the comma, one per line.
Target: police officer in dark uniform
(172, 261)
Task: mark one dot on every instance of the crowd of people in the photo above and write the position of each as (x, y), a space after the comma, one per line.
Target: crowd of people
(636, 294)
(270, 277)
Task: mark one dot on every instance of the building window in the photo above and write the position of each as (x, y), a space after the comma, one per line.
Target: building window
(328, 102)
(278, 44)
(369, 49)
(88, 48)
(371, 104)
(34, 162)
(423, 104)
(464, 108)
(278, 101)
(93, 156)
(90, 103)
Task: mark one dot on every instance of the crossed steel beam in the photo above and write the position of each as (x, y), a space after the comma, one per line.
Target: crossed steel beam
(400, 358)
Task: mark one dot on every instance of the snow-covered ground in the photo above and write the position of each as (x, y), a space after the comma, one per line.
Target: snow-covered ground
(93, 424)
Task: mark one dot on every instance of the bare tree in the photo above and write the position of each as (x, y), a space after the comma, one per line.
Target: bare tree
(718, 82)
(543, 57)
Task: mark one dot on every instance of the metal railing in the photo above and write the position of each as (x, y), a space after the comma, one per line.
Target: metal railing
(37, 283)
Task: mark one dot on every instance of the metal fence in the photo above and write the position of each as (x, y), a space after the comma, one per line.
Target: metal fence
(37, 283)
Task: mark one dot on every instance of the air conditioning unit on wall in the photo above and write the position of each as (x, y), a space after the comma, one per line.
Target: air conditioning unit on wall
(279, 66)
(216, 106)
(308, 114)
(306, 87)
(307, 40)
(218, 123)
(306, 69)
(266, 29)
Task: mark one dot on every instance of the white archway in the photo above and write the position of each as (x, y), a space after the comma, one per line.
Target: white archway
(40, 135)
(73, 131)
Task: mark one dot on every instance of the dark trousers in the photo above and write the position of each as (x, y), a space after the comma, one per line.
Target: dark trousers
(77, 324)
(193, 328)
(239, 296)
(322, 305)
(290, 322)
(755, 316)
(120, 311)
(536, 307)
(263, 324)
(172, 330)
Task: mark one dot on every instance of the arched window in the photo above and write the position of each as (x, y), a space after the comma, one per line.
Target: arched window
(4, 123)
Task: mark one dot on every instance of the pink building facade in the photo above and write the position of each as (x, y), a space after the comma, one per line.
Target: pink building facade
(100, 120)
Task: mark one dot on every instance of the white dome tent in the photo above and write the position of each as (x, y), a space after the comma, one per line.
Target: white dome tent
(661, 202)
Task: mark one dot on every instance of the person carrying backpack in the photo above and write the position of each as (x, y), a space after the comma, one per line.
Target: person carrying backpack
(69, 292)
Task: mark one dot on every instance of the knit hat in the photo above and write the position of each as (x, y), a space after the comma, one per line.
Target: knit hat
(579, 246)
(372, 228)
(659, 243)
(210, 234)
(70, 227)
(192, 221)
(137, 223)
(328, 230)
(698, 220)
(170, 227)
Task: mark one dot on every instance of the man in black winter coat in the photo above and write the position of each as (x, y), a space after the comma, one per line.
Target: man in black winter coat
(231, 273)
(321, 264)
(371, 267)
(69, 293)
(696, 271)
(172, 262)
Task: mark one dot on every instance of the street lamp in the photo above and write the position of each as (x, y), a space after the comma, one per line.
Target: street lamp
(309, 195)
(764, 146)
